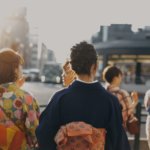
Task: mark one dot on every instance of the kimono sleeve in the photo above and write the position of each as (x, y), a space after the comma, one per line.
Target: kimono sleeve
(48, 125)
(31, 111)
(116, 138)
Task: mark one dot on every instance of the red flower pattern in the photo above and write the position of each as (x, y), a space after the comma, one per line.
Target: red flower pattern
(17, 104)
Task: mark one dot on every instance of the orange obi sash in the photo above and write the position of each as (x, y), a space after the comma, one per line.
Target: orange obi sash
(11, 138)
(80, 136)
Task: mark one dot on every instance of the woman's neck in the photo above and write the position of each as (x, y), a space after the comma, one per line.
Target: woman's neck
(114, 84)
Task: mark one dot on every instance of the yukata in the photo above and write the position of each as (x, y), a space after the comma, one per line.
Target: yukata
(83, 102)
(125, 101)
(147, 106)
(21, 113)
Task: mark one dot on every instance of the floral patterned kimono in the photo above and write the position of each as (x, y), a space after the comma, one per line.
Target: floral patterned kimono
(125, 101)
(21, 114)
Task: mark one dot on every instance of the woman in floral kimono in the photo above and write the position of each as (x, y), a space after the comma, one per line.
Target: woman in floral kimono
(19, 111)
(113, 76)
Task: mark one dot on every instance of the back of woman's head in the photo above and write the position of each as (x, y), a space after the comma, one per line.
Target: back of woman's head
(9, 65)
(83, 56)
(110, 72)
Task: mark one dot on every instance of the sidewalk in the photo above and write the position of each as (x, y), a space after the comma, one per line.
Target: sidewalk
(143, 144)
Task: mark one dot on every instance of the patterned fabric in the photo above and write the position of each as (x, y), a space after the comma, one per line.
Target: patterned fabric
(21, 107)
(125, 101)
(11, 138)
(80, 136)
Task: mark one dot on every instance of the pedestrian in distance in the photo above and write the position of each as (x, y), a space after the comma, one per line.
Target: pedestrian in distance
(113, 78)
(68, 75)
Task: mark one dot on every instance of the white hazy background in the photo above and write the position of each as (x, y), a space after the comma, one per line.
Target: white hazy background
(62, 23)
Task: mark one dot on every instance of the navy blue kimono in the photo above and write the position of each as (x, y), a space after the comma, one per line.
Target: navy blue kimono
(88, 102)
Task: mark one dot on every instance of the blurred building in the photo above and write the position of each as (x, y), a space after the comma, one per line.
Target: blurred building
(120, 32)
(34, 40)
(14, 33)
(118, 44)
(46, 55)
(113, 32)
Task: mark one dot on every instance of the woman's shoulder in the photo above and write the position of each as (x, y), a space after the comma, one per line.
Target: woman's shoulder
(110, 97)
(123, 92)
(147, 93)
(147, 99)
(14, 90)
(60, 93)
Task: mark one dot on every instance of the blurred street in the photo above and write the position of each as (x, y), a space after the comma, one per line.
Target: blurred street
(42, 91)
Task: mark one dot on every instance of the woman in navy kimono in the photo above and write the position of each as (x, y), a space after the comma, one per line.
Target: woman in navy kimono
(84, 100)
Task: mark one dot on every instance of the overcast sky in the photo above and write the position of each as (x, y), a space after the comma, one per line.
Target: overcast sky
(62, 23)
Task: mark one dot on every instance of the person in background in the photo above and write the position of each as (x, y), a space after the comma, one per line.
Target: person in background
(86, 101)
(68, 75)
(147, 106)
(19, 111)
(113, 77)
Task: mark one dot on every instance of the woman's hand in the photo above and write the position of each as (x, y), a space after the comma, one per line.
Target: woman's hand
(68, 75)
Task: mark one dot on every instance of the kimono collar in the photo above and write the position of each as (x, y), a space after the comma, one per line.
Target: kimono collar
(86, 82)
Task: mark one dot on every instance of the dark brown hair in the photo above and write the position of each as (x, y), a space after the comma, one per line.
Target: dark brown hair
(83, 56)
(9, 65)
(110, 72)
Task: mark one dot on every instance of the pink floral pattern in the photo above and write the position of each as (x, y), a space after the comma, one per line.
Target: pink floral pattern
(29, 99)
(22, 108)
(32, 115)
(18, 114)
(80, 136)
